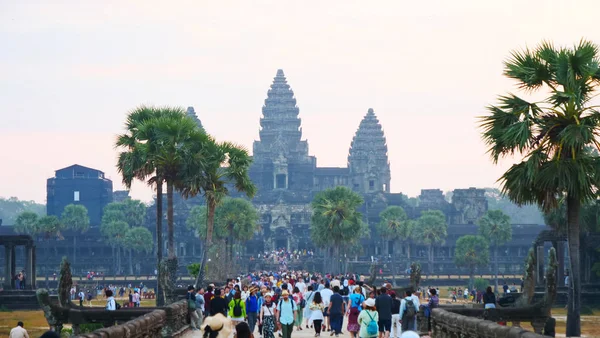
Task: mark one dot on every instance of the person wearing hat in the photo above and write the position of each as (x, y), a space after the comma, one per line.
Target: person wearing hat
(286, 312)
(367, 316)
(267, 317)
(252, 308)
(217, 326)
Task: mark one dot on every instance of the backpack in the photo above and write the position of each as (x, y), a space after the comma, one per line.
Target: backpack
(303, 301)
(237, 309)
(396, 306)
(372, 327)
(345, 291)
(410, 312)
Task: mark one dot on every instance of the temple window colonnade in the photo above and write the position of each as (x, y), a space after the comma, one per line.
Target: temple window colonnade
(10, 242)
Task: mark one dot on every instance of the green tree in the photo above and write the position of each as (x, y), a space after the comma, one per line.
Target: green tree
(27, 223)
(239, 219)
(137, 161)
(51, 226)
(175, 137)
(472, 252)
(197, 221)
(222, 165)
(11, 208)
(495, 227)
(431, 230)
(335, 220)
(75, 218)
(556, 136)
(395, 226)
(481, 284)
(114, 232)
(137, 239)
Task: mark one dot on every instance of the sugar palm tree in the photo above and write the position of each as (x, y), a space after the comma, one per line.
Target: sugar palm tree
(495, 227)
(335, 221)
(472, 252)
(555, 137)
(431, 230)
(174, 137)
(211, 169)
(137, 162)
(395, 226)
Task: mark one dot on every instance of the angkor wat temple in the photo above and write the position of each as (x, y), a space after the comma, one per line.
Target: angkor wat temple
(288, 178)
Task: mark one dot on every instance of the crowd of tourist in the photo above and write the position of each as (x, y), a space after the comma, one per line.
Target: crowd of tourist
(271, 304)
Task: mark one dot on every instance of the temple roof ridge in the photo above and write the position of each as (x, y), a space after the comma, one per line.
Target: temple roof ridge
(369, 136)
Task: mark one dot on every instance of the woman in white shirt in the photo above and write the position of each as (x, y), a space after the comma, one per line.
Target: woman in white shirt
(308, 296)
(245, 293)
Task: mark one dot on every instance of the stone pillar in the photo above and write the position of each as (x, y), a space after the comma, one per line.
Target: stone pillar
(7, 267)
(29, 266)
(13, 264)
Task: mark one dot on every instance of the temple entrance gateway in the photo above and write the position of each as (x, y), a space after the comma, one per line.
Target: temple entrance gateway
(11, 241)
(281, 243)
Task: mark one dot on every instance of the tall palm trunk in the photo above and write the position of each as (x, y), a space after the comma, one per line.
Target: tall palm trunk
(495, 267)
(170, 226)
(160, 299)
(118, 260)
(574, 299)
(394, 263)
(408, 255)
(430, 258)
(130, 262)
(210, 223)
(471, 277)
(74, 249)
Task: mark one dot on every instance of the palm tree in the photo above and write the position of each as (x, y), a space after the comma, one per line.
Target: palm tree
(174, 136)
(336, 221)
(555, 136)
(472, 252)
(495, 227)
(239, 218)
(137, 161)
(75, 217)
(431, 230)
(213, 167)
(394, 225)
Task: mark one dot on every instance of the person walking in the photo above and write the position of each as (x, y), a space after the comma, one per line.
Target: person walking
(237, 309)
(252, 308)
(286, 311)
(408, 312)
(383, 304)
(368, 319)
(336, 312)
(200, 305)
(18, 331)
(81, 296)
(267, 317)
(191, 305)
(218, 304)
(354, 307)
(489, 299)
(396, 328)
(308, 297)
(316, 313)
(301, 304)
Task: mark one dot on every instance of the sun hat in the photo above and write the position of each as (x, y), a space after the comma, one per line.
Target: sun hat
(370, 302)
(285, 293)
(217, 323)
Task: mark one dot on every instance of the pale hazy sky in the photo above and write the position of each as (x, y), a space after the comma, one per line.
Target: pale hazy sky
(71, 70)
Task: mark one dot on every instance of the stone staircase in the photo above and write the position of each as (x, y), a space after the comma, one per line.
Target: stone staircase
(19, 300)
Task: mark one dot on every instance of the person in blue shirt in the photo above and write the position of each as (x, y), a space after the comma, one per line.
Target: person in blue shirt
(252, 309)
(286, 312)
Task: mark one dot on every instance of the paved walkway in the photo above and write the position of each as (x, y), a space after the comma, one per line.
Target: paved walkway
(305, 333)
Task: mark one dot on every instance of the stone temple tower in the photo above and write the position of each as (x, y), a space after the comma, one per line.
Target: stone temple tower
(368, 159)
(191, 112)
(281, 159)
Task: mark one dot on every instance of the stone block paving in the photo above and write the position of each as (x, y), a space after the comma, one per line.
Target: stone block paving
(304, 333)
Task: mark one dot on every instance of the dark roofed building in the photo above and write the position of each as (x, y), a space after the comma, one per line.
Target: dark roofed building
(77, 184)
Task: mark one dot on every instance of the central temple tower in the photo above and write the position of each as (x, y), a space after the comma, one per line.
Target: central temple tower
(281, 159)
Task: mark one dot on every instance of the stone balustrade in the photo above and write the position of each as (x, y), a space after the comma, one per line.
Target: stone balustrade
(450, 324)
(170, 321)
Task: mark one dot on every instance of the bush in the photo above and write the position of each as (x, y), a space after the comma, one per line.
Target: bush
(481, 284)
(90, 327)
